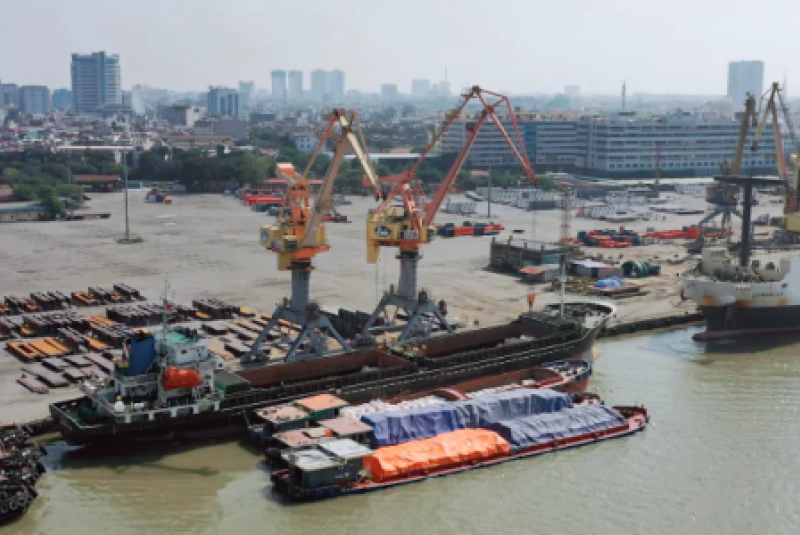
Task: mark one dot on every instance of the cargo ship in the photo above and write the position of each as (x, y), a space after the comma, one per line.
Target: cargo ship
(173, 388)
(736, 300)
(414, 445)
(744, 296)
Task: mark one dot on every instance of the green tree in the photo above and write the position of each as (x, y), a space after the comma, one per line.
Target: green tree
(73, 191)
(12, 176)
(26, 192)
(83, 168)
(54, 205)
(252, 169)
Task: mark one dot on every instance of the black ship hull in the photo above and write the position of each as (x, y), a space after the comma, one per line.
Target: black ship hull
(231, 420)
(733, 321)
(751, 318)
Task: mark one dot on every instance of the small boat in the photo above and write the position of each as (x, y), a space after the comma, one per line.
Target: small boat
(20, 469)
(344, 466)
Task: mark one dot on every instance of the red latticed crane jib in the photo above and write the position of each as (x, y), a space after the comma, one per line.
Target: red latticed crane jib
(406, 184)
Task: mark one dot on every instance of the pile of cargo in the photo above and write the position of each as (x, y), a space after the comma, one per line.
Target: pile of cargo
(469, 228)
(155, 195)
(55, 300)
(140, 315)
(433, 440)
(459, 207)
(262, 199)
(214, 309)
(378, 406)
(687, 233)
(20, 469)
(19, 305)
(609, 238)
(63, 370)
(391, 428)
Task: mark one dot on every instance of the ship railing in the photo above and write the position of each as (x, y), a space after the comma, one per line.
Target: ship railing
(435, 379)
(297, 390)
(354, 388)
(136, 380)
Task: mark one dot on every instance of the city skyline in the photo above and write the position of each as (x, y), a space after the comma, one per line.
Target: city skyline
(648, 48)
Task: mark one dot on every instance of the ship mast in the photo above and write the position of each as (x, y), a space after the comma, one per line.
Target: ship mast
(164, 309)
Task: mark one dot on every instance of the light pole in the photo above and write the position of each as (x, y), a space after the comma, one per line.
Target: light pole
(125, 175)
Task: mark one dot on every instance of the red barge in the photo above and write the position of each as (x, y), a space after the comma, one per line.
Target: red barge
(345, 467)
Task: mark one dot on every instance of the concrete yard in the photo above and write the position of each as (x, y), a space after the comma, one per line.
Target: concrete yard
(207, 246)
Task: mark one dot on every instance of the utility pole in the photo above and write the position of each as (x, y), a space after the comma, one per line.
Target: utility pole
(566, 215)
(125, 175)
(657, 166)
(489, 213)
(623, 96)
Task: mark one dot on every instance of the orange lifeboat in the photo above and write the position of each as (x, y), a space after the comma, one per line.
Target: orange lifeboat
(175, 378)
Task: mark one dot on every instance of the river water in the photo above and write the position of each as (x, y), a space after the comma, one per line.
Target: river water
(720, 456)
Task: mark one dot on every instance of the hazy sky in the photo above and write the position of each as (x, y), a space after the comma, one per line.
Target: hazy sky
(667, 46)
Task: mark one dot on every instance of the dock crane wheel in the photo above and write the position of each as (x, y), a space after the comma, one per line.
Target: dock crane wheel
(423, 296)
(313, 310)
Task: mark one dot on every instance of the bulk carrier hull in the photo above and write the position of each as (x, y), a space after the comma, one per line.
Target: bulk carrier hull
(451, 358)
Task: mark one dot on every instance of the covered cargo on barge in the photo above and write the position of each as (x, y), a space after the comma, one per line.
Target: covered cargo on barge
(438, 452)
(526, 432)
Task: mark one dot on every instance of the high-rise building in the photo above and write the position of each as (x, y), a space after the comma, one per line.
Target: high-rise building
(62, 99)
(96, 81)
(389, 92)
(745, 77)
(247, 91)
(318, 84)
(34, 99)
(137, 100)
(572, 90)
(295, 85)
(334, 84)
(420, 88)
(327, 85)
(223, 101)
(279, 85)
(10, 95)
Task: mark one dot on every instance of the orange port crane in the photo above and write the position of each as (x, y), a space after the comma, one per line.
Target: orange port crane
(769, 105)
(409, 226)
(298, 236)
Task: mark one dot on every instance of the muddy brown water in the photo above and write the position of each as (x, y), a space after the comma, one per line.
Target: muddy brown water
(720, 456)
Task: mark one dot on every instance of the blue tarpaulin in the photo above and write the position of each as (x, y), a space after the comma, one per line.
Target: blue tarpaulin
(390, 428)
(525, 432)
(485, 410)
(611, 282)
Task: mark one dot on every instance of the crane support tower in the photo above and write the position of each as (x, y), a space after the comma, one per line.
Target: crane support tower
(409, 225)
(298, 236)
(724, 197)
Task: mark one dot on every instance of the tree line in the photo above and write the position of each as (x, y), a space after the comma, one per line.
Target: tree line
(47, 177)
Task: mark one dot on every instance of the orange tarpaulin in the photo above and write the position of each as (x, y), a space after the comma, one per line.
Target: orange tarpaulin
(445, 450)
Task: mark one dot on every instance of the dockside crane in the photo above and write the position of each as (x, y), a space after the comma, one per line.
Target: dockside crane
(299, 236)
(724, 198)
(409, 226)
(769, 107)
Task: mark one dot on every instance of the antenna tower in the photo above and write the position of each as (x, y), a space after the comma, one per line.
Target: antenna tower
(566, 214)
(657, 166)
(623, 95)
